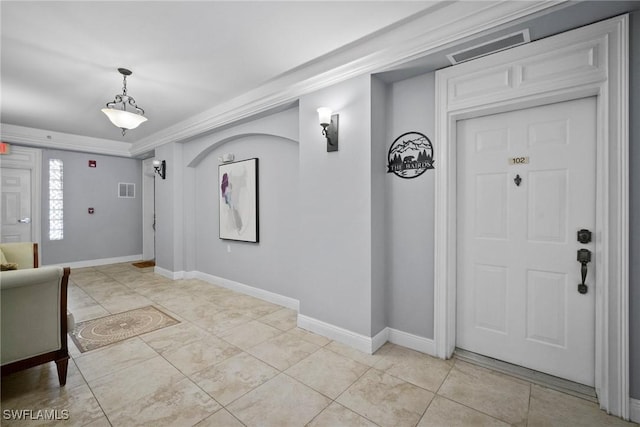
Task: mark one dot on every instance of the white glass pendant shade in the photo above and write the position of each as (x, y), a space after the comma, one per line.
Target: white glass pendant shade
(124, 119)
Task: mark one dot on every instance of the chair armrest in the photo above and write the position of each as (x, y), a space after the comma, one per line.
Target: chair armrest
(34, 312)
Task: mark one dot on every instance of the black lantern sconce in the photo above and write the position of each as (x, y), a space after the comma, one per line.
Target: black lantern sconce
(329, 123)
(161, 168)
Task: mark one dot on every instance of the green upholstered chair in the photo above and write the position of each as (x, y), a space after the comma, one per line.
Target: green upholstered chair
(33, 309)
(24, 254)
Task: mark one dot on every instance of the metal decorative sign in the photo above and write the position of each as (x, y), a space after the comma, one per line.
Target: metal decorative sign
(410, 155)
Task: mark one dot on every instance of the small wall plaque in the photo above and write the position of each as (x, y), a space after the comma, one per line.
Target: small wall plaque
(524, 160)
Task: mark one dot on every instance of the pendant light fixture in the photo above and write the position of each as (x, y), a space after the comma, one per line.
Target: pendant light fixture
(117, 112)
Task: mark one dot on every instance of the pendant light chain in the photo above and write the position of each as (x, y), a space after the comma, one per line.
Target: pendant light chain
(124, 85)
(116, 110)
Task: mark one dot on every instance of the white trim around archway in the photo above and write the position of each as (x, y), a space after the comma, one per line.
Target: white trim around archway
(589, 61)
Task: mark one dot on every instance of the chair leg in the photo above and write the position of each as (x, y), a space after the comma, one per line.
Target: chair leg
(62, 364)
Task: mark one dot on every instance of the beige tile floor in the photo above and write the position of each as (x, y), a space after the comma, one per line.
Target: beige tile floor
(235, 360)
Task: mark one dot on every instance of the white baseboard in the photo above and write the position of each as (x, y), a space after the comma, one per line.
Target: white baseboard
(363, 343)
(358, 341)
(191, 275)
(336, 333)
(97, 262)
(262, 294)
(414, 342)
(634, 410)
(379, 339)
(173, 275)
(405, 339)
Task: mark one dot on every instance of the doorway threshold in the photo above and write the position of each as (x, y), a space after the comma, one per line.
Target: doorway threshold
(559, 384)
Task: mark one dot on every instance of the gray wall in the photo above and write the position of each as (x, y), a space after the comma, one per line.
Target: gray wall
(410, 212)
(634, 207)
(270, 264)
(187, 206)
(114, 230)
(335, 209)
(170, 209)
(341, 206)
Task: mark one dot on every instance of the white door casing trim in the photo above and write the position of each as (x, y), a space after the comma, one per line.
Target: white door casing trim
(589, 61)
(148, 210)
(29, 158)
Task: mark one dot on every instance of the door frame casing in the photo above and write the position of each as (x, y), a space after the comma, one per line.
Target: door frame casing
(589, 61)
(148, 210)
(29, 158)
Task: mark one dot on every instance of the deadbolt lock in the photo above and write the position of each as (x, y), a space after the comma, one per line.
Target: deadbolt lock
(584, 236)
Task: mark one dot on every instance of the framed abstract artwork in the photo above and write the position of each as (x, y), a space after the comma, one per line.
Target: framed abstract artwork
(238, 200)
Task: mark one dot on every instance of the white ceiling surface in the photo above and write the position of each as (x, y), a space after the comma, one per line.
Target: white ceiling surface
(59, 59)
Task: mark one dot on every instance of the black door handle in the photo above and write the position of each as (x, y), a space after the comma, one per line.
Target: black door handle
(584, 257)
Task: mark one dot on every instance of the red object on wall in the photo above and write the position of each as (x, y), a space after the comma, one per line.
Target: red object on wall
(4, 148)
(92, 163)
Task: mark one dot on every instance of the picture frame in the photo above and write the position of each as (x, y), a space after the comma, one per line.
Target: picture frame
(238, 201)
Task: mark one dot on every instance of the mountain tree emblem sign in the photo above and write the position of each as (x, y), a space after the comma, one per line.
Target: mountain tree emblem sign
(410, 155)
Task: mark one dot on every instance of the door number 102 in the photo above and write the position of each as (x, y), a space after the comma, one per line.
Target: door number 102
(519, 160)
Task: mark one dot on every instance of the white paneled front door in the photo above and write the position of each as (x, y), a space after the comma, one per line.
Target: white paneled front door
(526, 185)
(16, 205)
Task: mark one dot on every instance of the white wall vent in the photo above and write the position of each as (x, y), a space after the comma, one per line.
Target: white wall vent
(126, 190)
(492, 46)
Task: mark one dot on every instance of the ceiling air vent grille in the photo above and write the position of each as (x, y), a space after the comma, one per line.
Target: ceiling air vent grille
(492, 46)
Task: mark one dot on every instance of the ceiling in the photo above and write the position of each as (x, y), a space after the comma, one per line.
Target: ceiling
(194, 60)
(60, 58)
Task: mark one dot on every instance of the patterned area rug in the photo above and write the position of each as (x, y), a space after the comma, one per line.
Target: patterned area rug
(144, 264)
(97, 333)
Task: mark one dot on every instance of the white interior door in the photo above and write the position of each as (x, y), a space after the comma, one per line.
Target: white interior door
(16, 205)
(518, 274)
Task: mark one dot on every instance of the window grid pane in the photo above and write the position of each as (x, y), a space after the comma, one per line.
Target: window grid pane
(56, 212)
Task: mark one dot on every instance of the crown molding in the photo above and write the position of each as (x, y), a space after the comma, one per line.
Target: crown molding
(428, 31)
(431, 30)
(63, 141)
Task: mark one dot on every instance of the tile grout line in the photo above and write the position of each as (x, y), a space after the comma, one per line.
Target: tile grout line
(467, 406)
(240, 308)
(529, 404)
(222, 361)
(369, 367)
(158, 354)
(435, 394)
(135, 364)
(88, 386)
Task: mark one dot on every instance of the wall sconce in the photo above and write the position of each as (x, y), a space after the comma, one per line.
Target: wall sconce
(161, 168)
(329, 123)
(226, 158)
